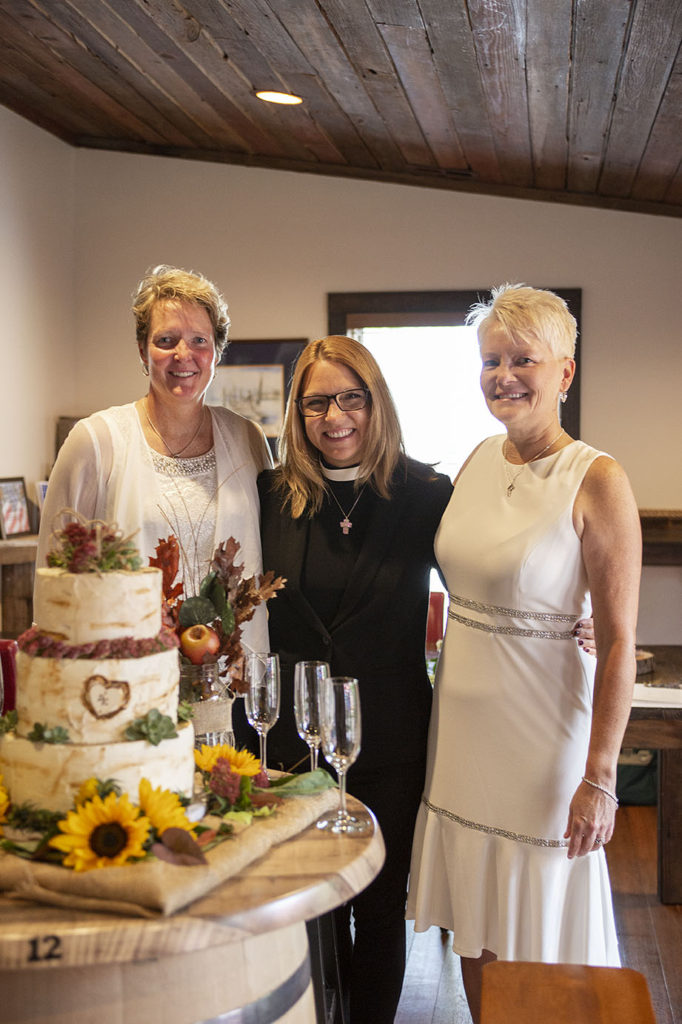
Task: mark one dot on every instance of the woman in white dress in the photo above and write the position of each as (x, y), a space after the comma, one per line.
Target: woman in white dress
(525, 735)
(169, 463)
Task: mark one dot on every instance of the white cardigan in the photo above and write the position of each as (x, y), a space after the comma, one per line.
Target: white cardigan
(104, 470)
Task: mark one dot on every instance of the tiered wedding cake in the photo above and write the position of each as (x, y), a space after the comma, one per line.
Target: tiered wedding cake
(93, 668)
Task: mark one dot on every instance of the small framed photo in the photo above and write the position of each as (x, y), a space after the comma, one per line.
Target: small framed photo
(41, 490)
(14, 517)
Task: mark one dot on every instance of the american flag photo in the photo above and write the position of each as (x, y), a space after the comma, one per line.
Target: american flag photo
(13, 507)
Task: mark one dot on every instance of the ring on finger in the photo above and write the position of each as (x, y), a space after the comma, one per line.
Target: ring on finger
(598, 841)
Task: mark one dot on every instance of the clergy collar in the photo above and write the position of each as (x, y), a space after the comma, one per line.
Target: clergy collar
(345, 473)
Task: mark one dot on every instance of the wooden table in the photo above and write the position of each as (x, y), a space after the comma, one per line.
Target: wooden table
(240, 951)
(661, 729)
(17, 569)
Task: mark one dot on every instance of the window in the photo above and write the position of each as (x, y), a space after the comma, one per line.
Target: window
(349, 312)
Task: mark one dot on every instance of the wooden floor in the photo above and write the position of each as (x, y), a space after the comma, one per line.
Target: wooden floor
(649, 933)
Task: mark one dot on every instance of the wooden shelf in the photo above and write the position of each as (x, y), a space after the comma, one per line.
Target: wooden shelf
(661, 536)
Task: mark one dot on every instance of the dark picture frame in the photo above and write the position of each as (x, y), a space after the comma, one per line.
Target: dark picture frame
(15, 518)
(253, 378)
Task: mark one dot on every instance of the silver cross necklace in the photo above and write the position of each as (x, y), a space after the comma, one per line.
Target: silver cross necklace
(343, 474)
(345, 523)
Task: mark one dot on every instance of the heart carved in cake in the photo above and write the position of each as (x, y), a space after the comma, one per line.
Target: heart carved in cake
(104, 697)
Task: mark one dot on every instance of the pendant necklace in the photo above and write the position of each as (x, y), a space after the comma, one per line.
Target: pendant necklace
(512, 479)
(345, 523)
(342, 473)
(175, 455)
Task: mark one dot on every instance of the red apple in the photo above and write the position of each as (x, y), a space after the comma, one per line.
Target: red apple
(196, 641)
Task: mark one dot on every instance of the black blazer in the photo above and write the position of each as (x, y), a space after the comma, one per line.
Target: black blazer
(378, 633)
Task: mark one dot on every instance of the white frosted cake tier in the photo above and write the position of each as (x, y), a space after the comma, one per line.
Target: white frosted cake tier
(95, 700)
(49, 775)
(86, 607)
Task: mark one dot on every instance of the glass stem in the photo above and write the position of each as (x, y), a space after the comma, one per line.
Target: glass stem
(343, 813)
(262, 736)
(314, 751)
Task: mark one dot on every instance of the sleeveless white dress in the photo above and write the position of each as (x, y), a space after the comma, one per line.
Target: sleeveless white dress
(510, 723)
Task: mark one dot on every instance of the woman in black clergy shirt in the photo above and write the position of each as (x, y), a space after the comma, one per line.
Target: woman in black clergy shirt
(350, 521)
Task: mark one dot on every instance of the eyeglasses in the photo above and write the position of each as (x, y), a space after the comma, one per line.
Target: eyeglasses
(347, 401)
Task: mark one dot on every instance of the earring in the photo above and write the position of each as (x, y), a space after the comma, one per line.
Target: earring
(563, 395)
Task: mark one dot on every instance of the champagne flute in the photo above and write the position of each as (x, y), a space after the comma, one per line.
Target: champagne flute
(261, 675)
(308, 676)
(340, 726)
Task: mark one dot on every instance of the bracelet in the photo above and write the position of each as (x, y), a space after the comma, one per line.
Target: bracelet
(602, 789)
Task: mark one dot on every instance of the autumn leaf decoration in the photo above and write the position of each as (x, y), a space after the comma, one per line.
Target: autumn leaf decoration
(168, 561)
(226, 600)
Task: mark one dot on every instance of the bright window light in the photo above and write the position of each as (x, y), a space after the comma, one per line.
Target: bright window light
(433, 374)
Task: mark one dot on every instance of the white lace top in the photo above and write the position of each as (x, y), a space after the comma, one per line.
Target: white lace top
(189, 502)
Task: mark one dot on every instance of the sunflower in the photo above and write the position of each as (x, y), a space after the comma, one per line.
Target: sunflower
(102, 834)
(163, 808)
(4, 803)
(241, 761)
(86, 792)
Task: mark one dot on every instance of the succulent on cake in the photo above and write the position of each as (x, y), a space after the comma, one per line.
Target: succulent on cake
(209, 624)
(153, 727)
(85, 545)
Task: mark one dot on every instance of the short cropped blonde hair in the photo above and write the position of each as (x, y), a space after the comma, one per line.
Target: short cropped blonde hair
(300, 479)
(170, 283)
(527, 314)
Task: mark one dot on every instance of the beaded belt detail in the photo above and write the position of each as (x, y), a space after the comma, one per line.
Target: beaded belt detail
(518, 837)
(516, 613)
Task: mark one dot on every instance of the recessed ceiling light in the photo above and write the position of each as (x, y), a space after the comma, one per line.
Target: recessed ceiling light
(278, 97)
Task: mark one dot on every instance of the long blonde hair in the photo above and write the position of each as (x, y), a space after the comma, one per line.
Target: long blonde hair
(299, 477)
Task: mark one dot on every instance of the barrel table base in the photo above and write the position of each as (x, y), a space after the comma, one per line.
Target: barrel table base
(257, 980)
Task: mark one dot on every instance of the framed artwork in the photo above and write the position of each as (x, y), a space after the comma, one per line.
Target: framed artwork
(64, 424)
(253, 379)
(14, 517)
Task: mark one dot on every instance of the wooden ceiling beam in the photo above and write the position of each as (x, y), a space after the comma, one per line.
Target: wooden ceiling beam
(651, 52)
(662, 158)
(411, 54)
(548, 47)
(499, 38)
(599, 41)
(454, 57)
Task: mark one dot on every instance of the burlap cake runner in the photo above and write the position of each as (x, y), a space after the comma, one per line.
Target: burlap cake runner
(154, 887)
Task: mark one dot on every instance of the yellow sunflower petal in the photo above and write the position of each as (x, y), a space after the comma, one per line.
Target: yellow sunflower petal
(241, 761)
(87, 791)
(206, 758)
(4, 801)
(163, 808)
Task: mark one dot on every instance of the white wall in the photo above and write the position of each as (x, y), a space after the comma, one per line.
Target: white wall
(36, 295)
(276, 243)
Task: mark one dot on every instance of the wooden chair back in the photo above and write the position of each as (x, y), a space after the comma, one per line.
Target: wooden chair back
(516, 993)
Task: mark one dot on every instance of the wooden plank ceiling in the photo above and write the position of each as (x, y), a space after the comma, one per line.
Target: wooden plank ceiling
(560, 100)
